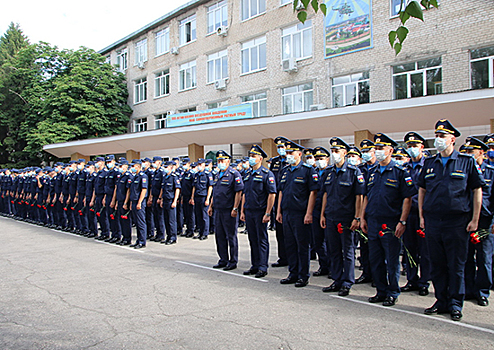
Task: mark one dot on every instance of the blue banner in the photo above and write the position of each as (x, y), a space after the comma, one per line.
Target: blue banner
(228, 113)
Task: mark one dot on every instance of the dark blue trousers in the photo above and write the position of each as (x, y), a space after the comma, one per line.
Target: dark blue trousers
(149, 222)
(202, 217)
(103, 218)
(341, 252)
(114, 223)
(92, 224)
(417, 246)
(140, 217)
(280, 239)
(297, 244)
(258, 239)
(125, 224)
(75, 213)
(159, 222)
(170, 219)
(226, 237)
(384, 256)
(84, 210)
(478, 268)
(447, 239)
(189, 215)
(70, 215)
(180, 216)
(319, 242)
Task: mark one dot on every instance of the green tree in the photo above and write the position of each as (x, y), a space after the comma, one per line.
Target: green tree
(11, 42)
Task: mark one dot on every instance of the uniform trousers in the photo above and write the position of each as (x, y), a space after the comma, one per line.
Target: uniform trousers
(112, 218)
(417, 246)
(159, 222)
(149, 222)
(189, 215)
(226, 237)
(140, 217)
(258, 239)
(297, 244)
(92, 224)
(341, 251)
(170, 218)
(125, 222)
(202, 217)
(320, 246)
(103, 217)
(280, 240)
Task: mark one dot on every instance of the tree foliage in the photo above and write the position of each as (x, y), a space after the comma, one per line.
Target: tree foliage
(49, 95)
(408, 9)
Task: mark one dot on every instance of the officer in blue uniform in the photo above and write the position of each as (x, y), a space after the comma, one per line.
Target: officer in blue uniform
(200, 199)
(297, 194)
(387, 205)
(88, 196)
(257, 204)
(186, 184)
(168, 199)
(450, 201)
(227, 193)
(57, 192)
(137, 196)
(416, 245)
(478, 268)
(80, 209)
(153, 199)
(124, 181)
(368, 150)
(277, 164)
(343, 188)
(65, 197)
(110, 184)
(489, 141)
(98, 199)
(179, 170)
(149, 171)
(321, 157)
(72, 220)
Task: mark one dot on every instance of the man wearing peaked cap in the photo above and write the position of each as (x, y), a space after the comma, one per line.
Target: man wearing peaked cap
(110, 185)
(309, 157)
(257, 203)
(401, 156)
(154, 189)
(80, 214)
(386, 207)
(478, 267)
(489, 141)
(186, 183)
(297, 193)
(137, 197)
(227, 193)
(450, 201)
(416, 245)
(201, 195)
(97, 200)
(149, 171)
(277, 164)
(168, 199)
(354, 156)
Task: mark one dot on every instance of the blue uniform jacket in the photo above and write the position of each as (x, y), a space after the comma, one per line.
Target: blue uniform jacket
(202, 181)
(225, 185)
(296, 184)
(139, 182)
(258, 184)
(169, 183)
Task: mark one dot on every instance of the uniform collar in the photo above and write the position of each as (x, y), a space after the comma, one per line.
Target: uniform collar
(293, 168)
(453, 155)
(343, 168)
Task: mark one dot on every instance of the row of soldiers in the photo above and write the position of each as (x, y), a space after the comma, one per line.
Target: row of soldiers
(392, 199)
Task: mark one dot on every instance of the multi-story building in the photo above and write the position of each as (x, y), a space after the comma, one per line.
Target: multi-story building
(333, 75)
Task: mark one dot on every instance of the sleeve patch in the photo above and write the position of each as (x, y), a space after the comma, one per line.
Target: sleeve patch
(315, 177)
(408, 181)
(271, 180)
(360, 179)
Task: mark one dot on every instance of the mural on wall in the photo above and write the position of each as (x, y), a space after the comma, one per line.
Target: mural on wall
(348, 26)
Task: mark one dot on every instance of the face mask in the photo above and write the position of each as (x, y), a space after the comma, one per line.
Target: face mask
(222, 166)
(380, 155)
(64, 172)
(311, 161)
(440, 144)
(414, 152)
(57, 170)
(367, 156)
(133, 170)
(155, 165)
(490, 154)
(399, 162)
(97, 165)
(322, 163)
(110, 165)
(336, 157)
(252, 161)
(290, 158)
(80, 167)
(245, 165)
(167, 171)
(193, 171)
(352, 160)
(281, 151)
(215, 171)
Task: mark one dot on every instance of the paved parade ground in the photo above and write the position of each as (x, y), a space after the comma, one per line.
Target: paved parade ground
(63, 291)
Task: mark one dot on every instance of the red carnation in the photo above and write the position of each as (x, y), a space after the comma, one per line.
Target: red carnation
(98, 214)
(65, 208)
(381, 233)
(112, 217)
(384, 226)
(421, 233)
(124, 217)
(340, 228)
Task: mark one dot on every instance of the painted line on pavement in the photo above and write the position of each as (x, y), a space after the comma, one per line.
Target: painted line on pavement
(220, 270)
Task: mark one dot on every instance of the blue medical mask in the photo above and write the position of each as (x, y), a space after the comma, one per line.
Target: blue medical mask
(281, 151)
(167, 171)
(414, 152)
(133, 170)
(80, 167)
(245, 165)
(290, 158)
(222, 166)
(193, 171)
(399, 162)
(64, 172)
(110, 165)
(57, 170)
(380, 155)
(252, 161)
(367, 156)
(490, 154)
(352, 161)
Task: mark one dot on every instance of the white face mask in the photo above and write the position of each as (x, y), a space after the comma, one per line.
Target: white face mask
(290, 158)
(322, 163)
(380, 155)
(281, 151)
(336, 157)
(311, 161)
(414, 152)
(352, 161)
(441, 144)
(367, 156)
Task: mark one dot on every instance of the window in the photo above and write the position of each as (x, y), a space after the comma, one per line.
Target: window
(218, 104)
(162, 83)
(217, 66)
(187, 75)
(418, 79)
(297, 41)
(254, 55)
(122, 60)
(140, 124)
(140, 90)
(351, 90)
(217, 16)
(108, 59)
(160, 121)
(396, 5)
(482, 68)
(259, 103)
(187, 30)
(297, 98)
(251, 8)
(162, 41)
(284, 2)
(187, 110)
(141, 49)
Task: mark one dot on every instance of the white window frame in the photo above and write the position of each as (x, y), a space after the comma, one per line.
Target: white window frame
(291, 33)
(218, 104)
(141, 51)
(219, 9)
(187, 68)
(141, 124)
(256, 101)
(252, 46)
(161, 81)
(490, 66)
(160, 121)
(162, 41)
(217, 60)
(286, 2)
(249, 9)
(293, 95)
(187, 110)
(351, 82)
(140, 90)
(394, 14)
(122, 60)
(417, 70)
(182, 30)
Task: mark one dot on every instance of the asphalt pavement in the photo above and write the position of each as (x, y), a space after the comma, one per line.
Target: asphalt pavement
(63, 291)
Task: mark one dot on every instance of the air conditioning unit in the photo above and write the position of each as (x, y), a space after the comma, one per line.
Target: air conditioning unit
(220, 84)
(290, 65)
(317, 107)
(222, 31)
(174, 50)
(170, 112)
(140, 65)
